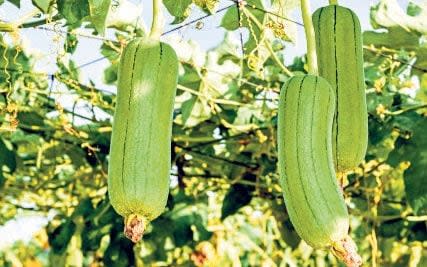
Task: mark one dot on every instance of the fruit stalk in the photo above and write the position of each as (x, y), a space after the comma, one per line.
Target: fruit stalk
(309, 34)
(158, 20)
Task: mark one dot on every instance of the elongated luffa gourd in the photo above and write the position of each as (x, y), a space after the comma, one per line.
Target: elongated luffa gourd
(140, 155)
(313, 199)
(340, 62)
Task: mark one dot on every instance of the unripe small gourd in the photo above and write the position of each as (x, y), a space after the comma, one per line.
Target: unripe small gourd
(140, 153)
(340, 62)
(313, 199)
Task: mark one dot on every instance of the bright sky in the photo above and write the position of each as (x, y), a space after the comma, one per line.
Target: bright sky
(43, 43)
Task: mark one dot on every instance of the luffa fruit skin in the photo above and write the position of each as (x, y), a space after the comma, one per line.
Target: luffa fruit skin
(340, 61)
(313, 199)
(140, 151)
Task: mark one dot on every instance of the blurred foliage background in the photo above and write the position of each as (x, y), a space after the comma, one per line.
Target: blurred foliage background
(225, 206)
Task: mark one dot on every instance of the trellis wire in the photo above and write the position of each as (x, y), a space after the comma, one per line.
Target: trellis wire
(236, 3)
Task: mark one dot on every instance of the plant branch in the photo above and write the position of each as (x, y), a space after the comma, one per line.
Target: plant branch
(234, 162)
(40, 22)
(215, 100)
(309, 33)
(398, 112)
(228, 137)
(333, 2)
(277, 60)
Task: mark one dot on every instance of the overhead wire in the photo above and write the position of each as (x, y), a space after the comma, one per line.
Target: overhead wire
(236, 3)
(302, 25)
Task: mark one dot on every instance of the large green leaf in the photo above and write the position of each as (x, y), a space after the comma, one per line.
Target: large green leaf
(239, 195)
(395, 37)
(414, 150)
(61, 236)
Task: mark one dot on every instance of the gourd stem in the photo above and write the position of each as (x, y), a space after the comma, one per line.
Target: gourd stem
(333, 2)
(346, 250)
(309, 33)
(157, 23)
(135, 225)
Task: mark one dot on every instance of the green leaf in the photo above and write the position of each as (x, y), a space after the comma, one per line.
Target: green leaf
(97, 225)
(230, 20)
(250, 20)
(287, 230)
(413, 9)
(43, 5)
(109, 52)
(7, 156)
(238, 196)
(61, 236)
(16, 3)
(190, 78)
(188, 229)
(183, 233)
(98, 13)
(84, 209)
(119, 253)
(187, 107)
(70, 44)
(180, 9)
(396, 37)
(111, 74)
(74, 11)
(414, 150)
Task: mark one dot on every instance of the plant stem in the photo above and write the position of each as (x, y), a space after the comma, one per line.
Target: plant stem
(309, 33)
(333, 2)
(157, 24)
(398, 112)
(278, 61)
(39, 22)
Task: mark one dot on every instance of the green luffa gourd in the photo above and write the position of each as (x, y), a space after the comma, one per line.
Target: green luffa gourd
(140, 152)
(340, 61)
(312, 196)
